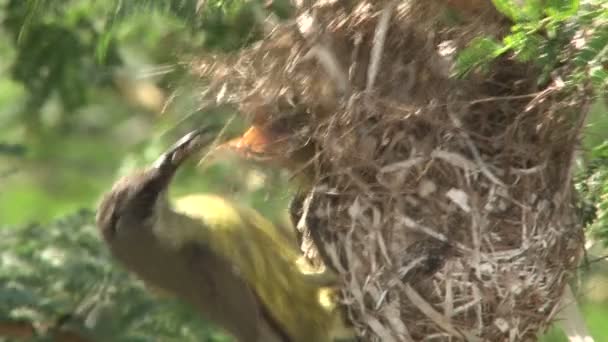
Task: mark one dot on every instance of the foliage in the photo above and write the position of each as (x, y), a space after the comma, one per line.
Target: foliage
(61, 271)
(592, 185)
(545, 32)
(69, 47)
(55, 55)
(82, 76)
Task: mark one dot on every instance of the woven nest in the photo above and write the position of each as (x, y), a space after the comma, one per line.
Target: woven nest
(445, 204)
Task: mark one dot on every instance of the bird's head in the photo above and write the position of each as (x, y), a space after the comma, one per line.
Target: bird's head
(132, 204)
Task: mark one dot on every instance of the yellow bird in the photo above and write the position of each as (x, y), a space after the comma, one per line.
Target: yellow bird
(234, 266)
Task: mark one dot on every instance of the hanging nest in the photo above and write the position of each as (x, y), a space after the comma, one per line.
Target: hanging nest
(445, 204)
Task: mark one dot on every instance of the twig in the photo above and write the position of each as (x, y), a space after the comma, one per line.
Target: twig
(308, 28)
(433, 315)
(330, 63)
(592, 261)
(476, 155)
(379, 329)
(378, 47)
(504, 98)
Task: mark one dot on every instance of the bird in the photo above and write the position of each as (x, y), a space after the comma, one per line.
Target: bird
(267, 142)
(227, 261)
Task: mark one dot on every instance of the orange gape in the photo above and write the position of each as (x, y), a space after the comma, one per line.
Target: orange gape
(255, 140)
(261, 144)
(265, 145)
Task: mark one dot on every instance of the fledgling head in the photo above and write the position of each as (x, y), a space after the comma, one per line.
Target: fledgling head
(130, 206)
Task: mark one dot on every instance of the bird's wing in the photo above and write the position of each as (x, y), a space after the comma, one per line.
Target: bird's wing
(225, 293)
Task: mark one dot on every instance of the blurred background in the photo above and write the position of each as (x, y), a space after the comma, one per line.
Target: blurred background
(90, 90)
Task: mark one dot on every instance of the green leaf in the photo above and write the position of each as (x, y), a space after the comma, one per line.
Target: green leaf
(531, 10)
(508, 8)
(561, 9)
(599, 77)
(479, 53)
(596, 49)
(525, 46)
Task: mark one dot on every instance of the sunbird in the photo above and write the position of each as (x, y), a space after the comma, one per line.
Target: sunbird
(267, 141)
(236, 268)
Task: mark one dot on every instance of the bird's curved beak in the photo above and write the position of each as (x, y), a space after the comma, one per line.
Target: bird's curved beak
(183, 149)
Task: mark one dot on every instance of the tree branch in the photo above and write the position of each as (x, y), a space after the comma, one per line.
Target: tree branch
(27, 330)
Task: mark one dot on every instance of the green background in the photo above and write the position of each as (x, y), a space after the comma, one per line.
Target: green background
(90, 90)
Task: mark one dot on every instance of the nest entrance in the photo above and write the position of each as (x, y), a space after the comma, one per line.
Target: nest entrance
(444, 204)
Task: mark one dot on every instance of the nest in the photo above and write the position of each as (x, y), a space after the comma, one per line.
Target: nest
(445, 204)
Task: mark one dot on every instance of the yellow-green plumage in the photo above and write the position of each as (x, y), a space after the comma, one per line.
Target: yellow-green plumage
(262, 255)
(235, 267)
